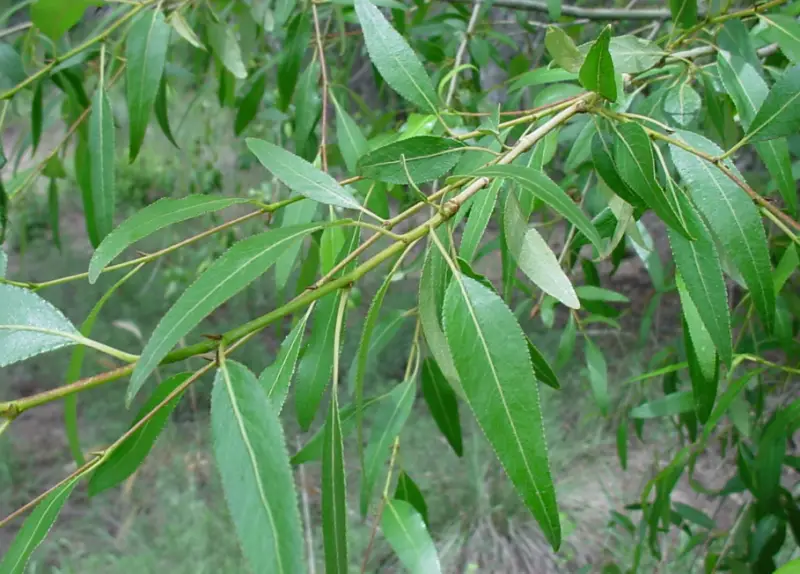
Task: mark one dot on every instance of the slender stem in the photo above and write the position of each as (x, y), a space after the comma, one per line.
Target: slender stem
(323, 68)
(15, 29)
(462, 48)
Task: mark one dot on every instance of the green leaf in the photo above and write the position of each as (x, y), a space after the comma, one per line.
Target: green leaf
(3, 263)
(732, 217)
(784, 30)
(35, 528)
(146, 53)
(699, 266)
(779, 115)
(408, 491)
(633, 154)
(297, 213)
(250, 451)
(55, 17)
(276, 378)
(36, 117)
(248, 107)
(493, 362)
(622, 443)
(314, 372)
(594, 293)
(562, 49)
(234, 270)
(540, 76)
(597, 71)
(12, 72)
(307, 105)
(126, 458)
(183, 29)
(298, 33)
(566, 343)
(598, 375)
(535, 258)
(426, 158)
(29, 326)
(389, 421)
(554, 9)
(83, 175)
(160, 107)
(52, 204)
(223, 42)
(334, 491)
(330, 244)
(394, 59)
(786, 266)
(479, 215)
(443, 404)
(352, 142)
(542, 187)
(544, 372)
(607, 171)
(632, 55)
(301, 176)
(102, 147)
(694, 515)
(682, 104)
(792, 567)
(684, 12)
(405, 531)
(674, 404)
(164, 212)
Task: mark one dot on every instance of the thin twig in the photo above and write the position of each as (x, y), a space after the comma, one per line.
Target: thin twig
(462, 48)
(323, 68)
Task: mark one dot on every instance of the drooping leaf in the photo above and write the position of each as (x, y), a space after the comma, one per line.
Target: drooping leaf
(701, 356)
(734, 37)
(633, 154)
(164, 212)
(54, 17)
(83, 175)
(35, 528)
(479, 215)
(126, 458)
(425, 157)
(684, 12)
(52, 204)
(443, 404)
(779, 115)
(226, 47)
(408, 490)
(146, 53)
(597, 71)
(248, 107)
(544, 188)
(233, 271)
(598, 375)
(250, 451)
(301, 176)
(160, 107)
(334, 501)
(607, 171)
(389, 421)
(276, 378)
(493, 362)
(405, 531)
(352, 142)
(307, 105)
(394, 59)
(622, 443)
(682, 104)
(562, 49)
(314, 372)
(297, 213)
(298, 33)
(732, 217)
(534, 257)
(36, 117)
(670, 405)
(700, 268)
(102, 146)
(29, 326)
(183, 29)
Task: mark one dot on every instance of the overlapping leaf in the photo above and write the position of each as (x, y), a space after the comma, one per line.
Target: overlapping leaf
(276, 378)
(405, 531)
(420, 158)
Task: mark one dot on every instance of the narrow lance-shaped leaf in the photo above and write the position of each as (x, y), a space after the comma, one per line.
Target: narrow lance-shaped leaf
(732, 217)
(183, 29)
(492, 359)
(233, 271)
(297, 213)
(164, 212)
(622, 443)
(534, 256)
(36, 117)
(53, 208)
(544, 372)
(598, 375)
(301, 176)
(307, 106)
(334, 500)
(779, 115)
(479, 215)
(250, 451)
(29, 326)
(406, 489)
(701, 356)
(226, 48)
(442, 403)
(298, 33)
(83, 174)
(276, 378)
(684, 12)
(670, 405)
(699, 266)
(102, 146)
(544, 188)
(54, 17)
(597, 71)
(161, 109)
(146, 53)
(394, 59)
(314, 372)
(35, 528)
(389, 420)
(405, 531)
(126, 458)
(352, 143)
(422, 158)
(607, 171)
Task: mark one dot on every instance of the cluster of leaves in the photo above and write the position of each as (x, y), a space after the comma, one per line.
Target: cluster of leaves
(651, 126)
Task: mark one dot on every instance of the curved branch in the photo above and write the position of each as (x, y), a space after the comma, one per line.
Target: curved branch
(579, 12)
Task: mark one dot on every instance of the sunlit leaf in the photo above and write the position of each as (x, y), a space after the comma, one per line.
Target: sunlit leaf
(394, 59)
(405, 531)
(251, 456)
(563, 50)
(55, 17)
(226, 47)
(493, 362)
(183, 29)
